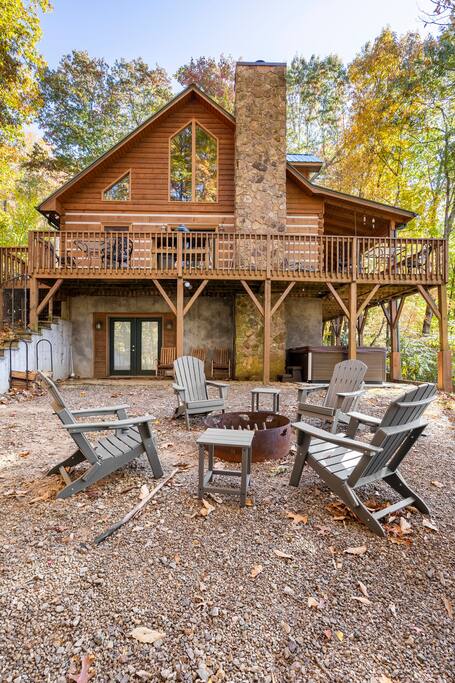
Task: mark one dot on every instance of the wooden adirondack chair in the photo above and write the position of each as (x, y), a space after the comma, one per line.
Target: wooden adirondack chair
(342, 394)
(345, 463)
(131, 437)
(167, 358)
(191, 389)
(221, 361)
(199, 353)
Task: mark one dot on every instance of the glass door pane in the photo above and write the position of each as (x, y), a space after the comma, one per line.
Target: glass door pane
(149, 345)
(121, 346)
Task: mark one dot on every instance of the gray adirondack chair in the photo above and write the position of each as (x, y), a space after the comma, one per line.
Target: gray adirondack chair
(191, 389)
(345, 463)
(342, 394)
(131, 437)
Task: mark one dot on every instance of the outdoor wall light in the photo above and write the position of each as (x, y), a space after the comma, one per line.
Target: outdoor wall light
(188, 285)
(98, 325)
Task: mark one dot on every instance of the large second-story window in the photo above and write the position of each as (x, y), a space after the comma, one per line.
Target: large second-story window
(193, 165)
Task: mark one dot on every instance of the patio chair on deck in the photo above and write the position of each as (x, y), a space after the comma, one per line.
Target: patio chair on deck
(342, 394)
(131, 437)
(166, 361)
(221, 361)
(346, 464)
(191, 389)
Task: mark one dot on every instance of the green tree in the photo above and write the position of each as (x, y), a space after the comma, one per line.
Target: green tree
(317, 104)
(89, 105)
(215, 78)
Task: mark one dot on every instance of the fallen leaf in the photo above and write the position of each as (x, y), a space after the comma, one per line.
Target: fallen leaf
(206, 508)
(23, 454)
(448, 606)
(393, 609)
(361, 599)
(328, 634)
(405, 526)
(429, 525)
(284, 556)
(168, 444)
(146, 635)
(322, 530)
(297, 518)
(144, 491)
(363, 588)
(359, 550)
(384, 679)
(438, 484)
(83, 676)
(340, 635)
(257, 569)
(249, 503)
(312, 602)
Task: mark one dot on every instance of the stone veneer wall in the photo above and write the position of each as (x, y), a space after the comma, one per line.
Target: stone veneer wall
(260, 147)
(249, 328)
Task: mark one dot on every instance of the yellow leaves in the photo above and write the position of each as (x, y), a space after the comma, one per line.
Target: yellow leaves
(257, 569)
(340, 635)
(297, 518)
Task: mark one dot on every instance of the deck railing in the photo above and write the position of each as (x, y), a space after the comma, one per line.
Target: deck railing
(13, 265)
(226, 256)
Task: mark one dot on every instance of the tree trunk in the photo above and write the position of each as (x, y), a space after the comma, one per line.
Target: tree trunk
(427, 321)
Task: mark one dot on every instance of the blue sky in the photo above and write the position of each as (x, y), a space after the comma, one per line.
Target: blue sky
(171, 32)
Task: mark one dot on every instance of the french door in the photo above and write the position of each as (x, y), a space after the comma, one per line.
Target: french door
(134, 345)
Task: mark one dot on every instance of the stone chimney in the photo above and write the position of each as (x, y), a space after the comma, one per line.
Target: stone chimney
(260, 147)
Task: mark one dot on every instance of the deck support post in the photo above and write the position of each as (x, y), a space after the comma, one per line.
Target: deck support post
(33, 318)
(444, 355)
(352, 341)
(180, 317)
(267, 329)
(395, 355)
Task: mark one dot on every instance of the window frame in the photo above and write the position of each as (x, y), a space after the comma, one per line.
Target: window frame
(114, 182)
(194, 122)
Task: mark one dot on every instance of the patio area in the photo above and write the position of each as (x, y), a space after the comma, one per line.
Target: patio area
(290, 588)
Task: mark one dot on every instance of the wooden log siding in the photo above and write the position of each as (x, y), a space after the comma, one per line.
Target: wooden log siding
(212, 255)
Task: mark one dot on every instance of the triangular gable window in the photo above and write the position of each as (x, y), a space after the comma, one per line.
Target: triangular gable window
(118, 191)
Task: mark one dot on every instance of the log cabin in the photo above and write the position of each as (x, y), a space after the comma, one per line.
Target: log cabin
(197, 229)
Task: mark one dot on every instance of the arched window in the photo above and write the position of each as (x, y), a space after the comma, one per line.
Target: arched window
(193, 165)
(118, 191)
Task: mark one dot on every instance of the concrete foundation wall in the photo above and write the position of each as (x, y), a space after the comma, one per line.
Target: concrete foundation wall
(303, 322)
(209, 324)
(60, 337)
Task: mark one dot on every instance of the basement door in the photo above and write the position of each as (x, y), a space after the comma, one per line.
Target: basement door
(134, 345)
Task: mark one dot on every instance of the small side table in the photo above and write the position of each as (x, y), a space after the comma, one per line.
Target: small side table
(225, 437)
(269, 391)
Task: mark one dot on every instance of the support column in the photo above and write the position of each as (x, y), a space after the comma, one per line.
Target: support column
(267, 329)
(395, 355)
(179, 316)
(444, 355)
(352, 342)
(33, 321)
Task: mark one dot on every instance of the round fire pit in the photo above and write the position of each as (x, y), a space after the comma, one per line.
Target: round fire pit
(272, 434)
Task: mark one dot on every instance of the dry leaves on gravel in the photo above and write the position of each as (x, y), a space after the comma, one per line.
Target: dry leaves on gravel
(83, 676)
(359, 550)
(297, 518)
(206, 508)
(257, 569)
(448, 606)
(146, 635)
(282, 555)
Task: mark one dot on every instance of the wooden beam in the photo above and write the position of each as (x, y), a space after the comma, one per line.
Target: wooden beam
(33, 304)
(445, 355)
(179, 317)
(430, 301)
(338, 299)
(267, 330)
(165, 296)
(395, 355)
(253, 297)
(283, 296)
(198, 291)
(50, 295)
(352, 320)
(367, 300)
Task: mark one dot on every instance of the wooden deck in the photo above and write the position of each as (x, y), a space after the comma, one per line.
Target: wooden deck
(226, 256)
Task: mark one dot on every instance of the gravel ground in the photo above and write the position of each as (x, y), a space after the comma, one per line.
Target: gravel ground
(189, 576)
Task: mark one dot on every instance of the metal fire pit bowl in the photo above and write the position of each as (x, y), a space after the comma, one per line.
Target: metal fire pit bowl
(272, 434)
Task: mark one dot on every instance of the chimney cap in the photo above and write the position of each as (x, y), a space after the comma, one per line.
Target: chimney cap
(261, 62)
